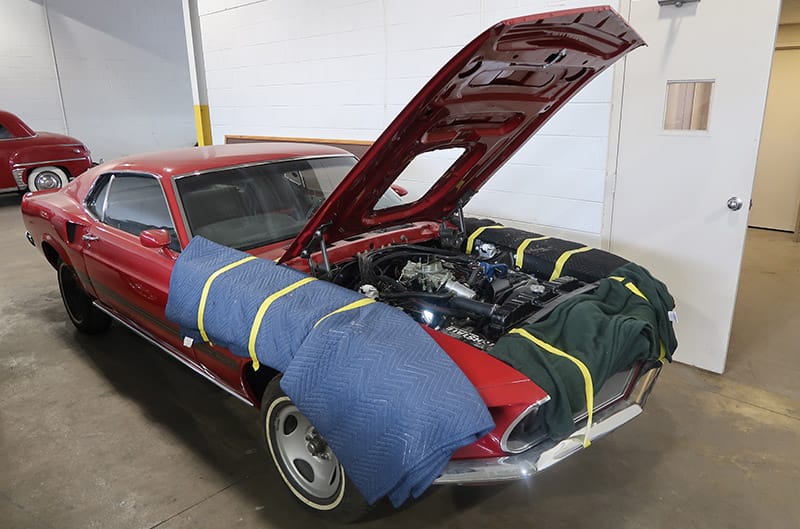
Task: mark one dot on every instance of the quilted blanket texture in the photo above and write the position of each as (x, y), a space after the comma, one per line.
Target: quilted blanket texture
(391, 404)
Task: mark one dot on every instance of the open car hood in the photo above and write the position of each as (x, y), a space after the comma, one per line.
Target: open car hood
(488, 100)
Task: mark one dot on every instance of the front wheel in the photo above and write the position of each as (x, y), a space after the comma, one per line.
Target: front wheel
(305, 462)
(84, 315)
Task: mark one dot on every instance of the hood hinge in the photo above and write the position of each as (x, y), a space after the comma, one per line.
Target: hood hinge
(454, 237)
(319, 239)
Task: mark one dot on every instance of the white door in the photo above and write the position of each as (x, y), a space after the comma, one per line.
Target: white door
(776, 194)
(670, 210)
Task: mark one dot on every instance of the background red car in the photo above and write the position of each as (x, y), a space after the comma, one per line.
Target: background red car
(37, 160)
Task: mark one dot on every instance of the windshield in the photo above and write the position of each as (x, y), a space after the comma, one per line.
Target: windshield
(247, 207)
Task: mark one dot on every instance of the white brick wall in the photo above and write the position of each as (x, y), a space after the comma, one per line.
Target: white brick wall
(345, 68)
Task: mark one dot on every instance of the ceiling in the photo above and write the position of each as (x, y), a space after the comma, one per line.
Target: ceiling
(790, 12)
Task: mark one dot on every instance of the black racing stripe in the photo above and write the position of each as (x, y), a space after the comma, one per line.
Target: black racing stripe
(170, 329)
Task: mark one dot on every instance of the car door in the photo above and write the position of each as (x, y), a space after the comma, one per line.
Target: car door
(129, 278)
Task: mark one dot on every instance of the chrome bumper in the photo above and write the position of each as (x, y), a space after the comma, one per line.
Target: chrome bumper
(545, 455)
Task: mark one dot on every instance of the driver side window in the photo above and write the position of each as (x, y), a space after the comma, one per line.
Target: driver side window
(132, 203)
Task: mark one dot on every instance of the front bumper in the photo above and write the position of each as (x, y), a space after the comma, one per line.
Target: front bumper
(545, 455)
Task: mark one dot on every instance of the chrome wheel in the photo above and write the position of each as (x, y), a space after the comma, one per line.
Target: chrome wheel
(305, 456)
(47, 180)
(307, 465)
(44, 178)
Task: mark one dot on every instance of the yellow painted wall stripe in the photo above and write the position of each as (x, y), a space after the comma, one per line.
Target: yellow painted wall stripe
(350, 306)
(562, 260)
(251, 344)
(587, 377)
(521, 249)
(476, 233)
(202, 122)
(201, 310)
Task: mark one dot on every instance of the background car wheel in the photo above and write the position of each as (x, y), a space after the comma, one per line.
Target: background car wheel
(84, 315)
(47, 177)
(307, 465)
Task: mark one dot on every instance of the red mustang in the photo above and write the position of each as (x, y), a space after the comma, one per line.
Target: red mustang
(37, 160)
(114, 234)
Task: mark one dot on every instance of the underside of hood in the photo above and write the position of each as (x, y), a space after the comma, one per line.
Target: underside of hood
(487, 100)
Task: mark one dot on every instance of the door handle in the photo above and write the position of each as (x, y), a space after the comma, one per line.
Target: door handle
(89, 237)
(735, 203)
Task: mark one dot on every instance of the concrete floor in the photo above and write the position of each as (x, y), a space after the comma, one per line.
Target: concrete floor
(108, 432)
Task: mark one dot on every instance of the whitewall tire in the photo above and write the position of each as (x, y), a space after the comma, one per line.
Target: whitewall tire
(305, 463)
(47, 177)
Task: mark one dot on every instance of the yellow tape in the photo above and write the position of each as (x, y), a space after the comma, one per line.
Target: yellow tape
(635, 290)
(521, 250)
(563, 260)
(662, 353)
(587, 376)
(201, 310)
(476, 233)
(351, 306)
(251, 344)
(630, 286)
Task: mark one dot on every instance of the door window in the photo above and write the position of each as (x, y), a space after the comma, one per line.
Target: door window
(688, 105)
(132, 203)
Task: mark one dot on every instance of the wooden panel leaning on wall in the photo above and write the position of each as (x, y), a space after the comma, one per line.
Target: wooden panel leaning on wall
(357, 147)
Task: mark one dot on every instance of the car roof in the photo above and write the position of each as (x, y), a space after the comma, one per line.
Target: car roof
(167, 164)
(15, 125)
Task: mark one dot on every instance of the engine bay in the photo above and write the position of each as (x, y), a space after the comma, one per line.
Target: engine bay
(475, 298)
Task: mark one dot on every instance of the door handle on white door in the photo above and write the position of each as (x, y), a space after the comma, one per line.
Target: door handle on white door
(735, 203)
(88, 237)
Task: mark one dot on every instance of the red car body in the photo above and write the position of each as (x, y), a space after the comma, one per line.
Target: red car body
(26, 154)
(133, 281)
(488, 100)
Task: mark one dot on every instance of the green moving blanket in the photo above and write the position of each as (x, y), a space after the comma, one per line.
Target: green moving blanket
(626, 319)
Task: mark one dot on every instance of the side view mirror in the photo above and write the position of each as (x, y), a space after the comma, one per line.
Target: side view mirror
(155, 238)
(400, 190)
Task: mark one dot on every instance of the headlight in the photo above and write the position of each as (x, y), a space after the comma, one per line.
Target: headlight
(526, 430)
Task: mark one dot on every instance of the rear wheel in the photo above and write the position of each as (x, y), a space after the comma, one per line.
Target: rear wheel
(81, 311)
(305, 462)
(47, 177)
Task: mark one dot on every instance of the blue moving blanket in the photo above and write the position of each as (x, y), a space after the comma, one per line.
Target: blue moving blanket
(388, 400)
